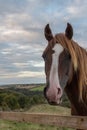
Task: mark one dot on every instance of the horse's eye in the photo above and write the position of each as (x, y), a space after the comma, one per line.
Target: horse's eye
(44, 56)
(53, 51)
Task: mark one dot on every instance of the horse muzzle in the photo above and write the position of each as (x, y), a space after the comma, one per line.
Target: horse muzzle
(53, 95)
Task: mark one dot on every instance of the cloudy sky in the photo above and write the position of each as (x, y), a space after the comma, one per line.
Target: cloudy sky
(22, 39)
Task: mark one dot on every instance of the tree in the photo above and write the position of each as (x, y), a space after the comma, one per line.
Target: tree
(22, 100)
(11, 101)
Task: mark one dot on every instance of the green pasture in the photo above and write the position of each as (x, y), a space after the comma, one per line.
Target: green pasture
(38, 88)
(49, 109)
(42, 108)
(10, 125)
(30, 101)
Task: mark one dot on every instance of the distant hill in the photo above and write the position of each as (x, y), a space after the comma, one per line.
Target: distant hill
(27, 86)
(17, 97)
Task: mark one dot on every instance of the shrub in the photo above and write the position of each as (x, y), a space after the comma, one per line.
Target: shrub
(23, 101)
(12, 102)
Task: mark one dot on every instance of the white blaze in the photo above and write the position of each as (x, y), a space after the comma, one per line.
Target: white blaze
(54, 78)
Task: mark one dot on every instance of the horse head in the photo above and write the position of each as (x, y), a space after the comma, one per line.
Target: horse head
(58, 64)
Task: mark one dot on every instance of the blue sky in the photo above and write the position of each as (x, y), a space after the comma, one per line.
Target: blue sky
(22, 38)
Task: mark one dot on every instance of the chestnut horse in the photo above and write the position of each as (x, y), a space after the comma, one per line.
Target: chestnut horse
(65, 69)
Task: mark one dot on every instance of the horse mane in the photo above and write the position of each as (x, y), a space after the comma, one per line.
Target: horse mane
(78, 57)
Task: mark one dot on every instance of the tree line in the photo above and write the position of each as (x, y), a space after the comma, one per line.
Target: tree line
(21, 99)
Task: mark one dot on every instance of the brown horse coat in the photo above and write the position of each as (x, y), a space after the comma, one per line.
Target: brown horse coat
(76, 88)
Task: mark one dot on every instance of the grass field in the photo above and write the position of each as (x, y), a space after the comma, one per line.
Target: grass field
(43, 108)
(39, 88)
(46, 108)
(40, 108)
(10, 125)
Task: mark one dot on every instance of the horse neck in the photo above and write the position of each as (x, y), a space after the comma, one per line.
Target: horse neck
(72, 91)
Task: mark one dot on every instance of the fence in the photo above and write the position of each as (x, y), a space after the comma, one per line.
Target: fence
(47, 119)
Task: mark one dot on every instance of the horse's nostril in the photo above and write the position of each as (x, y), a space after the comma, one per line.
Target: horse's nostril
(45, 90)
(59, 90)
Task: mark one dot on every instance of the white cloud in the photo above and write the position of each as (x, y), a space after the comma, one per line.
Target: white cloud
(22, 38)
(30, 74)
(17, 34)
(73, 10)
(77, 9)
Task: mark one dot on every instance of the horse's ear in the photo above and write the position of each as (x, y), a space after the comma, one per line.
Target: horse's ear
(48, 33)
(69, 31)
